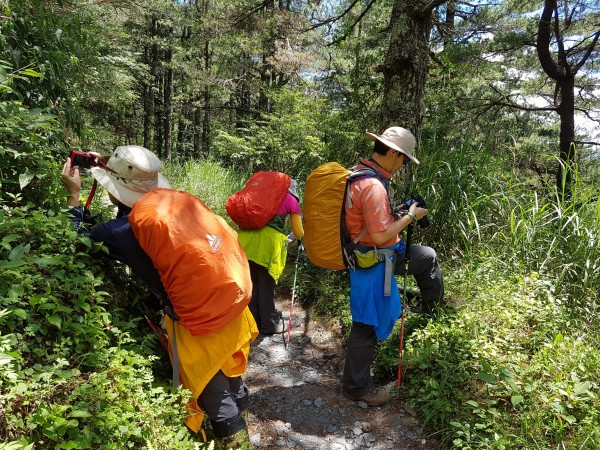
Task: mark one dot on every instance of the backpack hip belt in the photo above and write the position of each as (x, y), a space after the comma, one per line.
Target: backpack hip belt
(366, 257)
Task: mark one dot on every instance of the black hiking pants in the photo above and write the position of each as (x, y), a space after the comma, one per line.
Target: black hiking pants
(262, 303)
(424, 266)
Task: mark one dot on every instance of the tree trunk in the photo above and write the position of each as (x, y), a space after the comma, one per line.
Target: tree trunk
(449, 24)
(205, 143)
(243, 101)
(566, 111)
(168, 104)
(158, 117)
(178, 145)
(148, 95)
(406, 65)
(266, 68)
(196, 128)
(148, 89)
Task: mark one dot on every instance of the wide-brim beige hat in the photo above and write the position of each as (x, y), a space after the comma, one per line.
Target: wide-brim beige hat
(131, 172)
(399, 139)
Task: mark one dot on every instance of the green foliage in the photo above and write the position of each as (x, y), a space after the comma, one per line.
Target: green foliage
(208, 181)
(514, 367)
(27, 143)
(288, 139)
(74, 375)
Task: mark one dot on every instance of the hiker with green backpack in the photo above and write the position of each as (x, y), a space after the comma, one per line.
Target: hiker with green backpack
(260, 209)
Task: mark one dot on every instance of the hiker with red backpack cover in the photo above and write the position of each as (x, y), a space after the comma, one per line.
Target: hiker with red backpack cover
(209, 326)
(266, 247)
(371, 223)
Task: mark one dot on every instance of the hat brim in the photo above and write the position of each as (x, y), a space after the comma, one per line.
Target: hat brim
(123, 194)
(375, 137)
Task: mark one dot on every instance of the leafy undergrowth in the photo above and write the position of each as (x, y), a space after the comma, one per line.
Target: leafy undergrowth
(514, 365)
(75, 375)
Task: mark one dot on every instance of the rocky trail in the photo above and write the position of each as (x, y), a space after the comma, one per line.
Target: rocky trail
(296, 396)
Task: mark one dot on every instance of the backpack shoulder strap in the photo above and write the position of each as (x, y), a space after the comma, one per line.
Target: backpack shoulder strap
(360, 174)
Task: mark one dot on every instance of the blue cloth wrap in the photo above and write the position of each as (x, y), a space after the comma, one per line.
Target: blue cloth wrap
(367, 302)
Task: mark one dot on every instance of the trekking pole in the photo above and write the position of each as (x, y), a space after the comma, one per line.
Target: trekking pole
(406, 261)
(293, 293)
(161, 335)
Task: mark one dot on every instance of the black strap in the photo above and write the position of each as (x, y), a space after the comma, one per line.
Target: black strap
(409, 232)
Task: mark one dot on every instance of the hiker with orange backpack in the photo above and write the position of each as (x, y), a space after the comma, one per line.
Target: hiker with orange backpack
(274, 196)
(371, 223)
(199, 270)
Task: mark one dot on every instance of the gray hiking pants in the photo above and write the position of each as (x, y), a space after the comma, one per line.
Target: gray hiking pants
(223, 399)
(360, 347)
(424, 266)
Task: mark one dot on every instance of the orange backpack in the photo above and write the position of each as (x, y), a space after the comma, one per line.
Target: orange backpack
(326, 238)
(200, 261)
(257, 203)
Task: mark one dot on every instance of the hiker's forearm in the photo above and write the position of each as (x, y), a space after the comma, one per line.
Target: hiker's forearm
(297, 228)
(393, 230)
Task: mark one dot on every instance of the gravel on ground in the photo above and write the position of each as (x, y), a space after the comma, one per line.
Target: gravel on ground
(296, 399)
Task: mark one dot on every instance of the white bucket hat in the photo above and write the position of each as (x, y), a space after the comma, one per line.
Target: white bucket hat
(131, 172)
(399, 139)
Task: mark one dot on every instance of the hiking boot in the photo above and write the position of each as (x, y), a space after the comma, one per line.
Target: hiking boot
(373, 398)
(281, 327)
(237, 441)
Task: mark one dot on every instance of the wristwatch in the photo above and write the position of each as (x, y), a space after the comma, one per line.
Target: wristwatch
(412, 216)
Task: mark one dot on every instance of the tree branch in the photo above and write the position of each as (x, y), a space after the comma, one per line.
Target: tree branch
(358, 19)
(434, 4)
(562, 55)
(543, 42)
(520, 107)
(332, 19)
(589, 51)
(587, 114)
(586, 142)
(434, 57)
(251, 11)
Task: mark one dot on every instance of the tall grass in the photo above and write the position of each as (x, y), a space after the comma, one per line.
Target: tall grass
(207, 180)
(482, 208)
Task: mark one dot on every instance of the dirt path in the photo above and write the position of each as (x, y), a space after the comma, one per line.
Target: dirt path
(296, 397)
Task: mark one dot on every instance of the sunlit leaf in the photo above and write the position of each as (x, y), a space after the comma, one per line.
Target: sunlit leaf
(25, 179)
(55, 320)
(487, 377)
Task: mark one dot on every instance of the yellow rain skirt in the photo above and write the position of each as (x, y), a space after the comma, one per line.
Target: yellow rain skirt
(201, 357)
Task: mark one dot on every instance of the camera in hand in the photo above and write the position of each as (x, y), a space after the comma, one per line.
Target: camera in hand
(82, 159)
(412, 198)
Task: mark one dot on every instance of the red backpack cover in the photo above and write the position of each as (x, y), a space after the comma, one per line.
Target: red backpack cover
(257, 203)
(197, 254)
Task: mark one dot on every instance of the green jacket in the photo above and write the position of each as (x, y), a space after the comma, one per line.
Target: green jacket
(266, 247)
